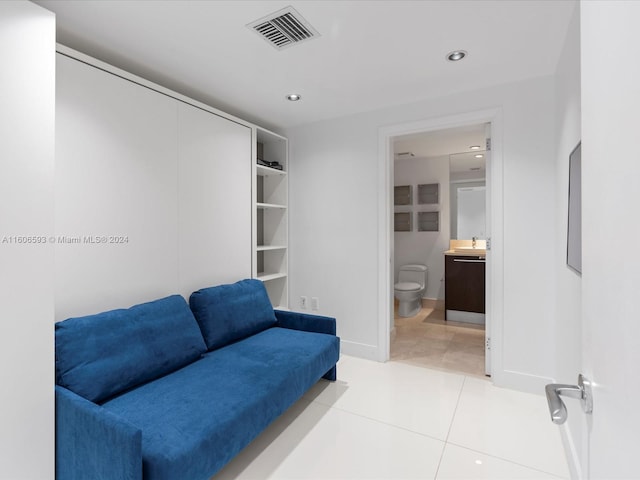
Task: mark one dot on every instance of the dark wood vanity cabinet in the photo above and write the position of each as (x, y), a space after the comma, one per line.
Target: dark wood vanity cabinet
(464, 283)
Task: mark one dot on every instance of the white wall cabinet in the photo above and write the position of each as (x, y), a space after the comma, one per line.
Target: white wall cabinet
(214, 168)
(270, 262)
(116, 164)
(164, 182)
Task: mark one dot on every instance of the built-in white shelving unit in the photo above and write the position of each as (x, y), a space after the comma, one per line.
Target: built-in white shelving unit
(271, 235)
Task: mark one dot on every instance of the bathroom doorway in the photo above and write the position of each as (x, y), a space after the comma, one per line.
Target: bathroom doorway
(427, 338)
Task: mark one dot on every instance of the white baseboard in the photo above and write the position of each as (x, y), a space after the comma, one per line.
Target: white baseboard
(523, 382)
(362, 350)
(435, 303)
(466, 317)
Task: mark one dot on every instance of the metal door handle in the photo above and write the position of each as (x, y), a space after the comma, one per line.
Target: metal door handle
(557, 408)
(467, 261)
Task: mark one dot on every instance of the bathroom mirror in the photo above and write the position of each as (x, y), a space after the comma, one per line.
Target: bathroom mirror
(467, 177)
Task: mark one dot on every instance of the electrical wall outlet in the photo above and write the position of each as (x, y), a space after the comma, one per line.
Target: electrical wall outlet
(315, 303)
(303, 302)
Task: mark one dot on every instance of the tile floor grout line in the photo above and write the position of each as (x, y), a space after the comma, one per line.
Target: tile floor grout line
(455, 410)
(453, 418)
(503, 459)
(381, 422)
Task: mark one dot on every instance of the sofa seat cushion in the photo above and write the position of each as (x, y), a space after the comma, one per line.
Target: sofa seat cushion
(227, 313)
(98, 356)
(196, 419)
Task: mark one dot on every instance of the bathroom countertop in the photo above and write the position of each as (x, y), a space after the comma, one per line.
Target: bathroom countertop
(481, 252)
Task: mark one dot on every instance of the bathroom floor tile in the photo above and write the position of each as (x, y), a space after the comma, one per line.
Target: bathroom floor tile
(402, 395)
(507, 424)
(454, 347)
(463, 464)
(469, 363)
(319, 442)
(469, 337)
(429, 350)
(437, 331)
(427, 340)
(425, 344)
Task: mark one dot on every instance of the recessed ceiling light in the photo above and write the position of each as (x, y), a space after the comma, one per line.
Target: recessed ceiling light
(456, 55)
(479, 155)
(475, 147)
(293, 97)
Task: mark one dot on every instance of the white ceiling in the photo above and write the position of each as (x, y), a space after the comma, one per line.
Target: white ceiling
(452, 142)
(370, 55)
(441, 142)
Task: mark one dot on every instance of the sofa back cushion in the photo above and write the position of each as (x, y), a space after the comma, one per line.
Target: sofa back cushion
(101, 355)
(227, 313)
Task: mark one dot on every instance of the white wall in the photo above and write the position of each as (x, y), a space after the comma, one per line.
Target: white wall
(424, 247)
(569, 284)
(27, 96)
(334, 220)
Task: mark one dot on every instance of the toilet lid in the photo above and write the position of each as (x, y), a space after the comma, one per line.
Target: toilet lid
(407, 286)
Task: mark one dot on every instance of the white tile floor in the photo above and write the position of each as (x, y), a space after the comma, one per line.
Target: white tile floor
(398, 421)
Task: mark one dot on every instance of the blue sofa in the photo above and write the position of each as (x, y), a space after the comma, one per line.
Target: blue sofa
(170, 390)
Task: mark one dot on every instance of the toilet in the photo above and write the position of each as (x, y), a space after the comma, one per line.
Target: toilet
(412, 283)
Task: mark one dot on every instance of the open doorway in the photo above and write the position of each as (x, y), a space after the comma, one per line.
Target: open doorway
(494, 215)
(440, 228)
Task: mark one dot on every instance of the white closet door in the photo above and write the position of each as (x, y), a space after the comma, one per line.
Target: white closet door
(215, 199)
(116, 191)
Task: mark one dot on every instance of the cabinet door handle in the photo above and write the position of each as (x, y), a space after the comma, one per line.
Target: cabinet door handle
(467, 261)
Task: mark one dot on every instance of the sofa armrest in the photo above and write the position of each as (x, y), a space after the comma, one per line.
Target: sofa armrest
(306, 322)
(92, 442)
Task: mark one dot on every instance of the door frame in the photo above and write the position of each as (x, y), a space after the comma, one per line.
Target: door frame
(495, 255)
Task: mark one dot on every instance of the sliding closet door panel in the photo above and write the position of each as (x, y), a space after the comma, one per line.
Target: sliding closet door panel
(215, 199)
(116, 191)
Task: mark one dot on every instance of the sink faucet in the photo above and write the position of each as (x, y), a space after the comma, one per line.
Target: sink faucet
(473, 242)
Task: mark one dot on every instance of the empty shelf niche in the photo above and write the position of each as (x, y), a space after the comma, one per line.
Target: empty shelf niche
(272, 263)
(271, 228)
(277, 290)
(271, 189)
(428, 221)
(402, 221)
(403, 195)
(428, 194)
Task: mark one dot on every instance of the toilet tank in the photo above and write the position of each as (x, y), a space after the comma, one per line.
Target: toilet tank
(413, 273)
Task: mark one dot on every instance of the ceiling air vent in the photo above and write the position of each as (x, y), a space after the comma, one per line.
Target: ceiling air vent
(284, 28)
